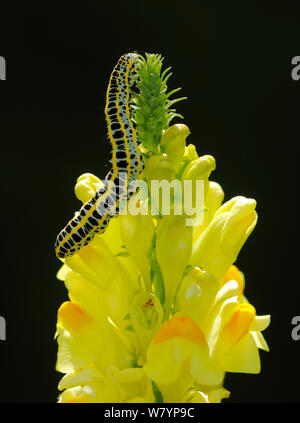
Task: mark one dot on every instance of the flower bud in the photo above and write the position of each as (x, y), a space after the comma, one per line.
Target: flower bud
(200, 169)
(86, 186)
(173, 143)
(190, 153)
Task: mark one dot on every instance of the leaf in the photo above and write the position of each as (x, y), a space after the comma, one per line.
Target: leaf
(157, 393)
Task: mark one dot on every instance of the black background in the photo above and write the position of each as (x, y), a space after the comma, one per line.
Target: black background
(233, 61)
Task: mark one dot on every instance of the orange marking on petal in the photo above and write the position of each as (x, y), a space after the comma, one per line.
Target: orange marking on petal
(239, 323)
(73, 317)
(184, 327)
(233, 273)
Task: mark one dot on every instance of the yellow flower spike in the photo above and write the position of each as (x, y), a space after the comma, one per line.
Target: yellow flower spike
(157, 311)
(218, 246)
(173, 249)
(173, 143)
(86, 186)
(137, 233)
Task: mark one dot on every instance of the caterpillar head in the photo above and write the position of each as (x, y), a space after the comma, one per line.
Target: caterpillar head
(131, 57)
(132, 60)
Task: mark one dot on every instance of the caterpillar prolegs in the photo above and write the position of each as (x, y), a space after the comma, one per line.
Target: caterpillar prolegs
(127, 164)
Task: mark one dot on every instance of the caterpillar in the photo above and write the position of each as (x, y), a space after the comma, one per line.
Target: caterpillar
(126, 160)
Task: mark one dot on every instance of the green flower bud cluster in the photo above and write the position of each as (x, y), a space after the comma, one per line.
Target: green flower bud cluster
(151, 105)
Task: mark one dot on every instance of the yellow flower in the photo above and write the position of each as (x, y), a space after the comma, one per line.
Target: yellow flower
(232, 330)
(201, 349)
(180, 351)
(157, 310)
(218, 246)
